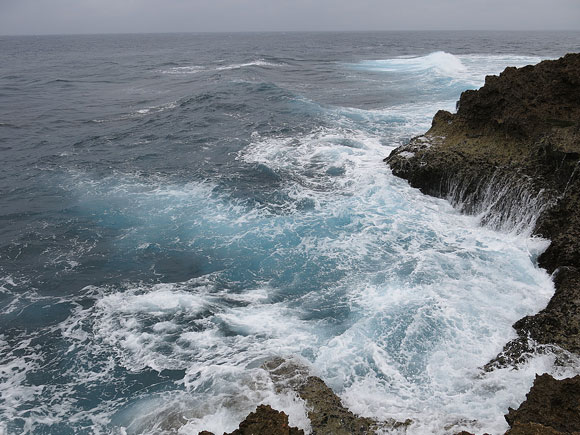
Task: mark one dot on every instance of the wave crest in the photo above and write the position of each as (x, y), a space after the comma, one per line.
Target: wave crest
(441, 62)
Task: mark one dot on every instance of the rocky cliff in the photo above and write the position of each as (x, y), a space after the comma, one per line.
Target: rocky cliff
(511, 154)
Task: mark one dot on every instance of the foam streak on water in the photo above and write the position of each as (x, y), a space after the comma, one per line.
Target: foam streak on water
(213, 208)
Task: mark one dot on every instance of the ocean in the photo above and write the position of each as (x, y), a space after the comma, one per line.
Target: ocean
(176, 209)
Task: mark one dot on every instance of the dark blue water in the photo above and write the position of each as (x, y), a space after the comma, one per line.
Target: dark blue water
(175, 209)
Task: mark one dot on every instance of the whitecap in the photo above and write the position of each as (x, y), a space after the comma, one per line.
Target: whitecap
(181, 70)
(259, 62)
(139, 113)
(440, 62)
(469, 70)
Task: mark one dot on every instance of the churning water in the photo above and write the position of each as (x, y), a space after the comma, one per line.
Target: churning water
(177, 209)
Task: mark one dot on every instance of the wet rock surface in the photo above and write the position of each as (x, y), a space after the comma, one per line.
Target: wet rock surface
(551, 406)
(532, 429)
(328, 415)
(326, 412)
(264, 420)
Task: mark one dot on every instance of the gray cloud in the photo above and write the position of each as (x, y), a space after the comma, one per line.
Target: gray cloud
(120, 16)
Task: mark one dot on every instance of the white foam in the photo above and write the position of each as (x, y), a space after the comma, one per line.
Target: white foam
(429, 295)
(161, 299)
(189, 69)
(139, 113)
(258, 62)
(155, 109)
(17, 361)
(424, 295)
(428, 298)
(469, 69)
(440, 62)
(466, 285)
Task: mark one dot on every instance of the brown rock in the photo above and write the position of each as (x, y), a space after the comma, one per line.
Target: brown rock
(532, 429)
(326, 412)
(550, 403)
(526, 102)
(266, 421)
(559, 322)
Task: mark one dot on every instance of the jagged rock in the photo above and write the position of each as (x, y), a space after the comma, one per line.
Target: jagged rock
(559, 322)
(526, 102)
(553, 404)
(327, 415)
(326, 412)
(264, 421)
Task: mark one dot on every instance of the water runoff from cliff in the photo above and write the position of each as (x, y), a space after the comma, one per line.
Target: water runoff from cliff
(180, 208)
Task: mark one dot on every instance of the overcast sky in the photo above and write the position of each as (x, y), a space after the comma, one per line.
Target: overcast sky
(129, 16)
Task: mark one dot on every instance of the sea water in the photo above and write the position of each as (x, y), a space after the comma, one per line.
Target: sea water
(177, 209)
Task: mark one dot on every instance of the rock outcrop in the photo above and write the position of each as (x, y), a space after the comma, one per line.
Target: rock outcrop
(264, 420)
(326, 412)
(512, 154)
(551, 406)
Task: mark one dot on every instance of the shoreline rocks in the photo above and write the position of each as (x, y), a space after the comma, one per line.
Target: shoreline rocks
(264, 420)
(551, 406)
(511, 154)
(327, 414)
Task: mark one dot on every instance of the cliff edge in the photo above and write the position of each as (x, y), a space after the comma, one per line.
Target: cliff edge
(511, 154)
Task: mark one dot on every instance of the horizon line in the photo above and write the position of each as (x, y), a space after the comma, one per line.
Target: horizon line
(290, 31)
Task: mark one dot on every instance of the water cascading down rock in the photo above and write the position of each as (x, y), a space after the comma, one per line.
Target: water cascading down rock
(511, 154)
